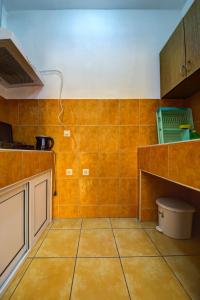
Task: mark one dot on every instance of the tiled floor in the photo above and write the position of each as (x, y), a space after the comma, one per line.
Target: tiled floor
(108, 259)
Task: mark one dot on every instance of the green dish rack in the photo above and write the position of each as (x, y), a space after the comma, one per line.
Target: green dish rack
(169, 120)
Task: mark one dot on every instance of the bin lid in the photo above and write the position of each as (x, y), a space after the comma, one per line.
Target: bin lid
(175, 205)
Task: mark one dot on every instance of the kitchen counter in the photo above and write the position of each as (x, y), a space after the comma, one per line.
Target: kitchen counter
(175, 162)
(16, 165)
(24, 150)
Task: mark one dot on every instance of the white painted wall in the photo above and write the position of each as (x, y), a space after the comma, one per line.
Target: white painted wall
(3, 14)
(102, 53)
(186, 7)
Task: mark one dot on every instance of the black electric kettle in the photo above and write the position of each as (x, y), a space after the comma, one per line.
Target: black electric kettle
(44, 142)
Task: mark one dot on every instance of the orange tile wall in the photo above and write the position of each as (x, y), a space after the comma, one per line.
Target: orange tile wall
(177, 162)
(19, 165)
(154, 187)
(104, 138)
(183, 168)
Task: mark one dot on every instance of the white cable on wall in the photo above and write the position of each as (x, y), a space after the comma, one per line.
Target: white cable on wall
(60, 114)
(60, 75)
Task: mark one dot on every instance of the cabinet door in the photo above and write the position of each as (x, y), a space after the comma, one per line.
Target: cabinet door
(192, 38)
(172, 61)
(40, 204)
(13, 229)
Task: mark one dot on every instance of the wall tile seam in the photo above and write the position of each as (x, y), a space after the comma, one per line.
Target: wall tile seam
(97, 177)
(84, 125)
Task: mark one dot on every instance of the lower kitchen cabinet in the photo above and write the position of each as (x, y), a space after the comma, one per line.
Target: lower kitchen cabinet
(13, 229)
(40, 208)
(25, 211)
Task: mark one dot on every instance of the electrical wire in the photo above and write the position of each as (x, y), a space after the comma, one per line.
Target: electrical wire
(60, 75)
(60, 118)
(61, 112)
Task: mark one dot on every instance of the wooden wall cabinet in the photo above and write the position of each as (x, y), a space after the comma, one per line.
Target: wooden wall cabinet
(192, 38)
(172, 61)
(180, 58)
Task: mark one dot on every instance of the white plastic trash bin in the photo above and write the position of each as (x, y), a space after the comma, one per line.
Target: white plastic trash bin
(175, 217)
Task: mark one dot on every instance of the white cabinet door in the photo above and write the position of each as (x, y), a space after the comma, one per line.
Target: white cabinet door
(40, 205)
(13, 229)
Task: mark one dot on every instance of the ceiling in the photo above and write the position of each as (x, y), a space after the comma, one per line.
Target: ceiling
(93, 4)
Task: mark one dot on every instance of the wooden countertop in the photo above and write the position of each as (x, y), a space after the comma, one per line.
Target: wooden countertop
(24, 150)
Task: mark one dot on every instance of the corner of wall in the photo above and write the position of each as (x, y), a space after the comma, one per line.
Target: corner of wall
(3, 14)
(186, 7)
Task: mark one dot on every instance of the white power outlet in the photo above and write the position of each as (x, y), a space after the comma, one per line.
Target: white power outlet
(86, 172)
(67, 133)
(69, 172)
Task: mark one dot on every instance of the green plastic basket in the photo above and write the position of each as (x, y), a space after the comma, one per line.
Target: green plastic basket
(169, 120)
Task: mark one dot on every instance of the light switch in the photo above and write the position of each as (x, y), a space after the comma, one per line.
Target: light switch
(67, 133)
(69, 172)
(86, 172)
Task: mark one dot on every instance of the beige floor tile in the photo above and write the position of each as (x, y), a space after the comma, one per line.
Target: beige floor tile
(99, 279)
(59, 243)
(125, 223)
(66, 224)
(37, 245)
(97, 243)
(96, 223)
(170, 246)
(13, 284)
(47, 279)
(149, 225)
(134, 242)
(149, 278)
(187, 269)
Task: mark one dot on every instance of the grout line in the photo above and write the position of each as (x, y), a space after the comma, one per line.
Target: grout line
(122, 256)
(132, 228)
(87, 125)
(94, 257)
(65, 229)
(70, 295)
(187, 255)
(154, 244)
(172, 271)
(96, 228)
(31, 260)
(166, 255)
(41, 242)
(120, 261)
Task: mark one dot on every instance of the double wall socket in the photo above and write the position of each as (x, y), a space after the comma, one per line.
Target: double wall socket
(85, 172)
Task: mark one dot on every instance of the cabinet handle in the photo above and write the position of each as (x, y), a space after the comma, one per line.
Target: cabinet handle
(189, 66)
(183, 71)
